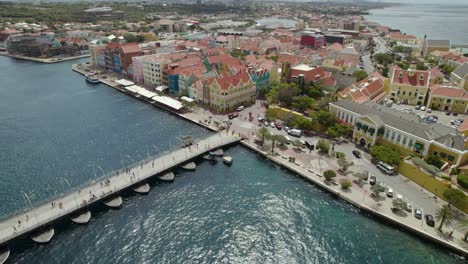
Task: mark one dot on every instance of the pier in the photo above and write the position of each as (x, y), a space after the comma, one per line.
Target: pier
(38, 221)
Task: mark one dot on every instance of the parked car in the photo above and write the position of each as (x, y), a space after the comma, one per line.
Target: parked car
(278, 125)
(455, 114)
(357, 154)
(233, 115)
(372, 180)
(409, 207)
(447, 113)
(429, 220)
(286, 129)
(455, 122)
(389, 192)
(272, 124)
(240, 108)
(266, 123)
(418, 107)
(429, 110)
(418, 213)
(423, 108)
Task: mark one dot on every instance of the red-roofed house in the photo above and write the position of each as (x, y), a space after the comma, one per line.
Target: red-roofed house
(230, 91)
(311, 74)
(448, 98)
(127, 52)
(402, 38)
(436, 75)
(369, 89)
(409, 86)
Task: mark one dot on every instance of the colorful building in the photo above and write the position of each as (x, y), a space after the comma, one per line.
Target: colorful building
(230, 91)
(447, 98)
(409, 86)
(378, 124)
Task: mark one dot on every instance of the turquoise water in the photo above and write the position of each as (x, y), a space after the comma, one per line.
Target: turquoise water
(54, 125)
(436, 21)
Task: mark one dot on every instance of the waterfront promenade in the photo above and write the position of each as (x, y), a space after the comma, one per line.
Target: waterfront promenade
(312, 168)
(44, 60)
(106, 187)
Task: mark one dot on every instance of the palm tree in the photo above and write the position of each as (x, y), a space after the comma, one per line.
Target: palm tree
(464, 225)
(263, 133)
(445, 215)
(276, 138)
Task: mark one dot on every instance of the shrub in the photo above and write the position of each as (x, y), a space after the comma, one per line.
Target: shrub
(463, 180)
(323, 145)
(445, 177)
(455, 197)
(434, 160)
(340, 155)
(453, 171)
(345, 184)
(329, 175)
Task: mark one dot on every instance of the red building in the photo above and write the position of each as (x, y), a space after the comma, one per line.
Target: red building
(312, 40)
(127, 52)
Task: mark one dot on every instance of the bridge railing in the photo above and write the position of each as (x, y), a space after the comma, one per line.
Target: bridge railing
(75, 188)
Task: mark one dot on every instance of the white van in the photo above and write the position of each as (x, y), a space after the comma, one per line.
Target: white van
(385, 168)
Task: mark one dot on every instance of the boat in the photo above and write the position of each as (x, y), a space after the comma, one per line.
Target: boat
(167, 176)
(218, 152)
(142, 188)
(113, 202)
(189, 166)
(4, 254)
(43, 235)
(81, 218)
(227, 160)
(92, 79)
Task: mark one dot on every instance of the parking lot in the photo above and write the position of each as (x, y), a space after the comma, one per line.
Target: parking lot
(442, 116)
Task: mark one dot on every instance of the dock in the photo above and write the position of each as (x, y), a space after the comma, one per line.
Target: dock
(38, 221)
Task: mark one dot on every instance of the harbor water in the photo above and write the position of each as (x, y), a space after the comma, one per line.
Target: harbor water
(55, 126)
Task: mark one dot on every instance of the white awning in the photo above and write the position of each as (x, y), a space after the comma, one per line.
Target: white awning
(133, 88)
(161, 88)
(187, 99)
(174, 104)
(146, 93)
(124, 82)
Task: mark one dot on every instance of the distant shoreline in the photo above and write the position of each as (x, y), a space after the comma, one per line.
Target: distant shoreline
(44, 60)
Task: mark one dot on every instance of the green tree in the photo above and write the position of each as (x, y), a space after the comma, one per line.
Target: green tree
(302, 103)
(339, 130)
(455, 197)
(446, 69)
(445, 215)
(329, 175)
(345, 184)
(399, 204)
(129, 37)
(301, 122)
(385, 154)
(463, 224)
(323, 119)
(377, 189)
(360, 75)
(276, 138)
(283, 93)
(434, 160)
(323, 145)
(263, 133)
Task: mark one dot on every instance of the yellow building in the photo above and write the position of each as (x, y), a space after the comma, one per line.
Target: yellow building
(230, 91)
(377, 124)
(409, 86)
(448, 98)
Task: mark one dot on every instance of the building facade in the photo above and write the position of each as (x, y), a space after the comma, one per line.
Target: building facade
(409, 86)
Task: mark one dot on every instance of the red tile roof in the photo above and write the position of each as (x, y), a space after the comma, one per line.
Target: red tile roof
(448, 91)
(130, 48)
(411, 77)
(229, 81)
